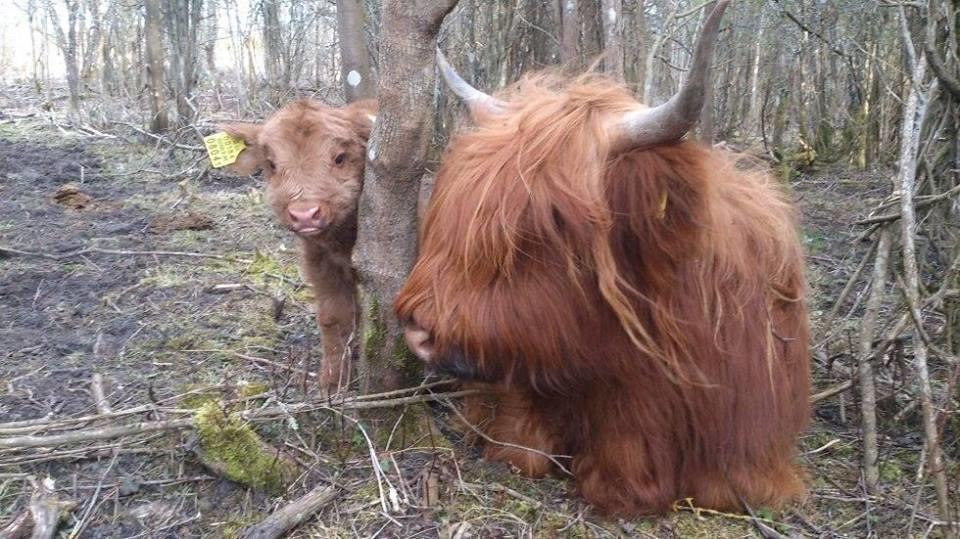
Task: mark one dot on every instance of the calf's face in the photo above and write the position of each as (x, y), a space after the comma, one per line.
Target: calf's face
(313, 157)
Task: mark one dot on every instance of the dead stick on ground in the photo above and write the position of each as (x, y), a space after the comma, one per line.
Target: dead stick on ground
(99, 398)
(5, 250)
(42, 517)
(106, 433)
(292, 515)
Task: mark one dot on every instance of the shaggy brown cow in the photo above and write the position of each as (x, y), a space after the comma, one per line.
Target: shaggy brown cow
(634, 302)
(313, 157)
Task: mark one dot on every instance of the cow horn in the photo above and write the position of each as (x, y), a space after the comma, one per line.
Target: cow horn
(672, 120)
(477, 101)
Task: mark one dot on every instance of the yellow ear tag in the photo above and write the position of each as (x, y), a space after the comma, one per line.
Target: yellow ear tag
(223, 148)
(662, 210)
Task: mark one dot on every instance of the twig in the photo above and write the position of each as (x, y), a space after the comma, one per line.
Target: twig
(162, 139)
(82, 523)
(90, 435)
(5, 250)
(292, 515)
(42, 517)
(488, 439)
(96, 389)
(264, 414)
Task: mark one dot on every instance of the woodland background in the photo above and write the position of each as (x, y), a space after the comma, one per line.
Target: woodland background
(138, 283)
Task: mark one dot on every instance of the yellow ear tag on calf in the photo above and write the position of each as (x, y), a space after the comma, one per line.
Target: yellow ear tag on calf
(223, 149)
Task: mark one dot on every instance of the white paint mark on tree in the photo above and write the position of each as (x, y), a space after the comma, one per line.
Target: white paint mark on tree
(353, 78)
(612, 15)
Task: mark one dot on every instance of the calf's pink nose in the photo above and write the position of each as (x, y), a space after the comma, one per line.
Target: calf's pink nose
(419, 341)
(304, 218)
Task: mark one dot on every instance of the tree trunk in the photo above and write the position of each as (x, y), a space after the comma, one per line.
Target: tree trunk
(706, 128)
(868, 391)
(355, 71)
(613, 38)
(569, 32)
(159, 121)
(387, 236)
(183, 26)
(913, 114)
(67, 42)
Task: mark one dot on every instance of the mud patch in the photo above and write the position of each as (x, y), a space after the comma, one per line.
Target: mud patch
(42, 165)
(189, 220)
(71, 197)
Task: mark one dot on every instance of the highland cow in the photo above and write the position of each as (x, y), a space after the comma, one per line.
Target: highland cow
(313, 158)
(633, 302)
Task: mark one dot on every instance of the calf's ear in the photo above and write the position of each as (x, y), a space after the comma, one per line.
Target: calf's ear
(363, 114)
(252, 157)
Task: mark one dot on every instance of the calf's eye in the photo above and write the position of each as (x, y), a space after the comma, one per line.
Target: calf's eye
(340, 159)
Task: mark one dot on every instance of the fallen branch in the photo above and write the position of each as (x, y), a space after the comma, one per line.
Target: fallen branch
(292, 515)
(89, 435)
(5, 250)
(99, 398)
(263, 414)
(43, 515)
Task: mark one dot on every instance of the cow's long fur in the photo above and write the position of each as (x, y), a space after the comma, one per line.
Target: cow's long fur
(663, 348)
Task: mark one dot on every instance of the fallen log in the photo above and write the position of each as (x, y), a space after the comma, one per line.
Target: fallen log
(291, 515)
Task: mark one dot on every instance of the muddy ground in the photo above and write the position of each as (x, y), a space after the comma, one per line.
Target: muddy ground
(158, 325)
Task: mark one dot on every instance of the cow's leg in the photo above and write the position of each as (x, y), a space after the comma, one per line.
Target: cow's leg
(335, 290)
(620, 474)
(761, 482)
(516, 432)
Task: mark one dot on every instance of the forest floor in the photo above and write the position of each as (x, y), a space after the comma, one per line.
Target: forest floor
(237, 315)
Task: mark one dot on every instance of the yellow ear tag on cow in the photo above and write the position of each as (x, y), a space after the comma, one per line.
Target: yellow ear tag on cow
(223, 148)
(662, 209)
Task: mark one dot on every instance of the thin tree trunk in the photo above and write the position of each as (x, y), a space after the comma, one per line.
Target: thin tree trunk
(569, 32)
(387, 237)
(159, 120)
(913, 115)
(613, 38)
(755, 111)
(868, 391)
(355, 71)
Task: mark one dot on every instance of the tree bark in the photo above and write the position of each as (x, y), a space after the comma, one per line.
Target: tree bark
(387, 237)
(868, 391)
(569, 32)
(913, 115)
(67, 42)
(613, 38)
(355, 71)
(159, 121)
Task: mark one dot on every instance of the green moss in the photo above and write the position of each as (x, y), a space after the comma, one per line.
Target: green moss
(374, 332)
(890, 472)
(265, 268)
(250, 389)
(235, 449)
(198, 399)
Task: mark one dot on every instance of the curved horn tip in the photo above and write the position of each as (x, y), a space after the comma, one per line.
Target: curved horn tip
(476, 100)
(672, 120)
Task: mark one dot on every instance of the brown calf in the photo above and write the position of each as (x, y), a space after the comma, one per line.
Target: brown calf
(313, 157)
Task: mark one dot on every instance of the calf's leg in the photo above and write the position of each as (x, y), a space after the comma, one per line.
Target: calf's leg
(335, 289)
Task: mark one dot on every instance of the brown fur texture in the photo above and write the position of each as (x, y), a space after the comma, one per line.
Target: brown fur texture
(663, 349)
(313, 157)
